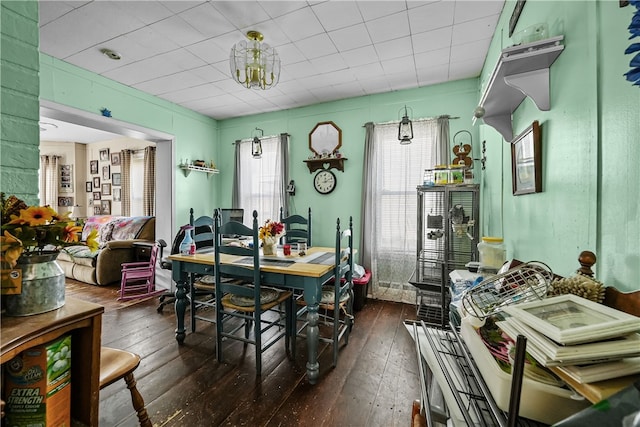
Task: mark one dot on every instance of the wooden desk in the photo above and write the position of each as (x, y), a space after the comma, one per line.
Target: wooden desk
(308, 277)
(84, 321)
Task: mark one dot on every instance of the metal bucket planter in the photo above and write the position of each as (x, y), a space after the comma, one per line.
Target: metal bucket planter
(43, 285)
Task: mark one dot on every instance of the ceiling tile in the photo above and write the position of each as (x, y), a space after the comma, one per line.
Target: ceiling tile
(334, 15)
(144, 11)
(360, 56)
(244, 14)
(432, 16)
(207, 20)
(179, 6)
(469, 31)
(52, 10)
(470, 10)
(208, 51)
(389, 27)
(394, 48)
(290, 54)
(329, 63)
(432, 40)
(171, 83)
(278, 8)
(177, 30)
(465, 69)
(300, 24)
(398, 65)
(371, 10)
(350, 37)
(433, 57)
(316, 46)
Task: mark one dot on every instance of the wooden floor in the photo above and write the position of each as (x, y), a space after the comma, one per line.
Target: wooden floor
(374, 384)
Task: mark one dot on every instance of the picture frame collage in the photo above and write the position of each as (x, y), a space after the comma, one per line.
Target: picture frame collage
(104, 188)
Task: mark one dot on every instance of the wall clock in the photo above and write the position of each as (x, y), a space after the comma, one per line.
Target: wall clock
(324, 181)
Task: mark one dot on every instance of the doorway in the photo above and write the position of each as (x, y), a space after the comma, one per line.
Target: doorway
(165, 206)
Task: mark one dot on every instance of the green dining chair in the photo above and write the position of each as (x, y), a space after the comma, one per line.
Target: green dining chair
(336, 306)
(297, 227)
(242, 302)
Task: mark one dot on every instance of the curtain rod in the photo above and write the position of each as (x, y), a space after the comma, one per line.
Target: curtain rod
(261, 138)
(444, 116)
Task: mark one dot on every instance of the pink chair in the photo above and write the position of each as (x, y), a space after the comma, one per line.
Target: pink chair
(138, 278)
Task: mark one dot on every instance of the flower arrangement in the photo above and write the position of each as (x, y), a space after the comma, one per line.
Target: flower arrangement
(36, 229)
(271, 231)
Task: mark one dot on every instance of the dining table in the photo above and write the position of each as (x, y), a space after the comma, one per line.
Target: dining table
(306, 272)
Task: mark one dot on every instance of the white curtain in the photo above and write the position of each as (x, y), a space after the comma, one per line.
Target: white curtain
(395, 172)
(260, 181)
(49, 181)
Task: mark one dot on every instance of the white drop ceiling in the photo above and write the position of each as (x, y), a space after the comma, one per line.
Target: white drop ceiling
(330, 50)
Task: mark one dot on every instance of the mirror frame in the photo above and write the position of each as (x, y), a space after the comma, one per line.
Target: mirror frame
(320, 144)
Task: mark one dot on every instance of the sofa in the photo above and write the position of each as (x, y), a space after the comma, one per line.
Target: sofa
(117, 237)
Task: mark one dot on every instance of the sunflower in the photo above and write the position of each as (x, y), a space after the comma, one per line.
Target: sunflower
(11, 249)
(70, 233)
(34, 216)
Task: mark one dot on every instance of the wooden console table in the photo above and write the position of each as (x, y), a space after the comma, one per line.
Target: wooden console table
(83, 320)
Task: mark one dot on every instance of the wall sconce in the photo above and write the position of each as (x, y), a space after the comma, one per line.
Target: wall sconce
(256, 145)
(405, 128)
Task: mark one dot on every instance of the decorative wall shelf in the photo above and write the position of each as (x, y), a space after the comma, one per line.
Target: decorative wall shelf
(521, 71)
(316, 164)
(186, 169)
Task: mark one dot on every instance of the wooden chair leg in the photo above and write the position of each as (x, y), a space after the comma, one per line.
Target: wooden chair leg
(138, 401)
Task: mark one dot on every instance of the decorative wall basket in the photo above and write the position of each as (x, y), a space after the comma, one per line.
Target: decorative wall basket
(43, 286)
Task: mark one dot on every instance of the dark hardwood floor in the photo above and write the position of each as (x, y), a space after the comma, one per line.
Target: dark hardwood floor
(374, 383)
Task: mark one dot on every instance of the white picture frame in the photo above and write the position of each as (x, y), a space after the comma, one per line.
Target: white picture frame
(570, 319)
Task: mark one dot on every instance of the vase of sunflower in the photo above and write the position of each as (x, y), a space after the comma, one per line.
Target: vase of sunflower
(269, 234)
(32, 237)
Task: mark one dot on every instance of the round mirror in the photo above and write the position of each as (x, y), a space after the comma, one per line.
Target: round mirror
(325, 138)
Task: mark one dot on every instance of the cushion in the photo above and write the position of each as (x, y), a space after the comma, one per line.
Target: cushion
(128, 228)
(266, 296)
(95, 223)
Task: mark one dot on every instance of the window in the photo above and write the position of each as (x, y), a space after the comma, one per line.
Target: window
(260, 181)
(137, 178)
(398, 170)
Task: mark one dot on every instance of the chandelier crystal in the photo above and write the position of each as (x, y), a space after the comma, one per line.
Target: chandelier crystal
(255, 65)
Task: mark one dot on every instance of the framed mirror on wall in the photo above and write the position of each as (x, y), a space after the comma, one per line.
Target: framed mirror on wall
(325, 139)
(526, 161)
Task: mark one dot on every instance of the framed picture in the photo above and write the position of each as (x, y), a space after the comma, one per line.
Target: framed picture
(93, 167)
(115, 178)
(65, 201)
(116, 195)
(526, 161)
(106, 173)
(106, 189)
(66, 179)
(115, 159)
(87, 187)
(104, 155)
(97, 195)
(96, 210)
(570, 319)
(105, 207)
(96, 182)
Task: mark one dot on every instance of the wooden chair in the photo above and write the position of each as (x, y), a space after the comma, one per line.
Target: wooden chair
(337, 293)
(202, 297)
(119, 364)
(242, 302)
(139, 278)
(298, 228)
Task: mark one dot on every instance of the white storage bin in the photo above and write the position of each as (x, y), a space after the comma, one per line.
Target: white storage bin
(541, 402)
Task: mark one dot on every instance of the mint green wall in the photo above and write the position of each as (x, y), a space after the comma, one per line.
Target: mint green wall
(19, 107)
(195, 134)
(590, 148)
(455, 99)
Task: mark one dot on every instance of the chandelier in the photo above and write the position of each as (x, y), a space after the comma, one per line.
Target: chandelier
(254, 65)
